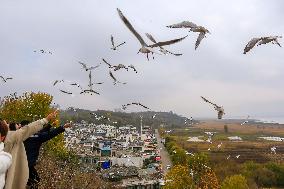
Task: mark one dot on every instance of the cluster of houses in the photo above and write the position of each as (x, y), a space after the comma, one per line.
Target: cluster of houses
(108, 148)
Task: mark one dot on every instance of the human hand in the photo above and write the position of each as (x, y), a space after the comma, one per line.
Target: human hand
(68, 125)
(52, 116)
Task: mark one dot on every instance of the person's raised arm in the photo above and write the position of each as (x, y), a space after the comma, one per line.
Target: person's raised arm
(34, 127)
(45, 136)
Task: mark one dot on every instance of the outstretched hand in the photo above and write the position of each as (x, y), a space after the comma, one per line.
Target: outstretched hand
(67, 125)
(52, 116)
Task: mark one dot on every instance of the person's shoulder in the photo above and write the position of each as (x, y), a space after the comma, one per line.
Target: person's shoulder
(10, 135)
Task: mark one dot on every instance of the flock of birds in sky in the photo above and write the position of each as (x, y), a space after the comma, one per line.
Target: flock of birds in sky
(148, 49)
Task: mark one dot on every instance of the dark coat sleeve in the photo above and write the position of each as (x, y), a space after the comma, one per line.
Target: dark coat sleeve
(46, 136)
(46, 128)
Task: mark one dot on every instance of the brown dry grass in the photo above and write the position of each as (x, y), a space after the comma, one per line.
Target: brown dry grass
(250, 128)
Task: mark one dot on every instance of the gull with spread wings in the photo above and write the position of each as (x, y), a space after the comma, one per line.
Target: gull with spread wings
(89, 91)
(134, 103)
(261, 41)
(116, 67)
(194, 28)
(5, 79)
(88, 68)
(66, 92)
(146, 49)
(219, 109)
(114, 47)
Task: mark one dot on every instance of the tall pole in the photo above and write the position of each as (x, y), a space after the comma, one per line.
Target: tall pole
(141, 125)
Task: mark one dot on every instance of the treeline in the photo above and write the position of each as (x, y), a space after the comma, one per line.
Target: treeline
(166, 119)
(223, 174)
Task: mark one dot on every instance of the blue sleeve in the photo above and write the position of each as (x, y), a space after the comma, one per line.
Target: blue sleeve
(46, 136)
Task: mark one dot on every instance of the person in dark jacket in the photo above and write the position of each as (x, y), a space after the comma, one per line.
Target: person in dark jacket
(32, 146)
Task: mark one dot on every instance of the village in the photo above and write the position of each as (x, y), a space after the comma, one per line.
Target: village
(127, 154)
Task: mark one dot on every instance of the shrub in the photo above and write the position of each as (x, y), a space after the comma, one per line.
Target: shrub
(235, 182)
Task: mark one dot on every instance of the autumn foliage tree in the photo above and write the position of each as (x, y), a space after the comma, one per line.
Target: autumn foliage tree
(29, 106)
(208, 180)
(178, 177)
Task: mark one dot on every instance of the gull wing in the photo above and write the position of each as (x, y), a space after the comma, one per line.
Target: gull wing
(251, 44)
(170, 42)
(94, 67)
(2, 78)
(65, 92)
(112, 42)
(134, 69)
(109, 65)
(83, 64)
(112, 76)
(57, 81)
(199, 39)
(151, 38)
(130, 27)
(121, 44)
(209, 102)
(184, 24)
(90, 79)
(176, 54)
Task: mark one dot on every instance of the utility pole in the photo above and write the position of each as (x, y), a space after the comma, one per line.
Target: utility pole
(141, 125)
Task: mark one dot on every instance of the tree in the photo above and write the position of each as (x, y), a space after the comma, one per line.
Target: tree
(208, 180)
(278, 171)
(29, 106)
(178, 177)
(179, 157)
(198, 164)
(235, 182)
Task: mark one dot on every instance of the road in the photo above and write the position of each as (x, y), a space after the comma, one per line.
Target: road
(165, 157)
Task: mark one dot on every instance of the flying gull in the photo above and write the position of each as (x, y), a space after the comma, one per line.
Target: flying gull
(246, 121)
(219, 109)
(5, 79)
(66, 92)
(88, 68)
(134, 103)
(114, 47)
(87, 91)
(194, 28)
(260, 41)
(146, 49)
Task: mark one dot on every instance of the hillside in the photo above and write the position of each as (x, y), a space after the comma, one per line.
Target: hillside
(168, 119)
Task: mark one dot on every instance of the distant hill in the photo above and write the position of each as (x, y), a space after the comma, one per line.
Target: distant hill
(168, 119)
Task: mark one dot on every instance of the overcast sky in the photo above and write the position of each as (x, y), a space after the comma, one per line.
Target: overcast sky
(250, 84)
